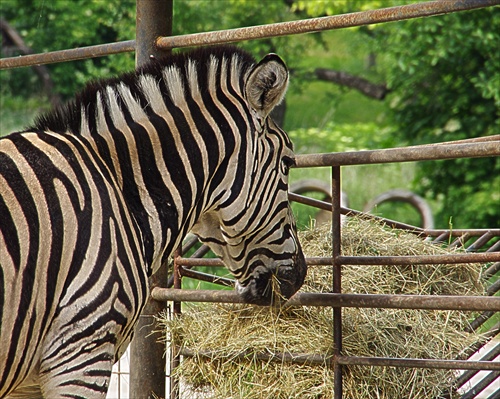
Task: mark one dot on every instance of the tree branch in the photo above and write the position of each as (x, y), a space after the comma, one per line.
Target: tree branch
(9, 34)
(377, 91)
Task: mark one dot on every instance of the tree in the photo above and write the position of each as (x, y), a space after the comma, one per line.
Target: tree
(58, 25)
(445, 76)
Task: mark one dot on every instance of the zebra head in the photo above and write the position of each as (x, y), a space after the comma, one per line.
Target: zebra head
(251, 226)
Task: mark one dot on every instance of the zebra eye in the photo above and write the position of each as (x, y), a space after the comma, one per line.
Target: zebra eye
(287, 163)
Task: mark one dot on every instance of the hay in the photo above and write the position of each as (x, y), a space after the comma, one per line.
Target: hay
(227, 330)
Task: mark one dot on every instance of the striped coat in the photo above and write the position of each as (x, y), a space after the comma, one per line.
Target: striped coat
(97, 194)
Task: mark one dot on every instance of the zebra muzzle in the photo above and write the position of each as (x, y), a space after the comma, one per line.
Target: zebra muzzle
(268, 286)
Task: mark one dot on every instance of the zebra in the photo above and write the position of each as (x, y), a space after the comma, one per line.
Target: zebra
(97, 194)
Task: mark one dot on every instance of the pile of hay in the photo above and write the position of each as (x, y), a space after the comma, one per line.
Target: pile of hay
(227, 330)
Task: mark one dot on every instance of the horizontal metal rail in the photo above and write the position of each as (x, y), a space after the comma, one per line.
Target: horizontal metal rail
(52, 57)
(403, 154)
(319, 359)
(443, 233)
(424, 302)
(421, 259)
(390, 14)
(418, 363)
(457, 258)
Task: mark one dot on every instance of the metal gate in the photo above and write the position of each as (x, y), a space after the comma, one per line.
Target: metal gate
(153, 37)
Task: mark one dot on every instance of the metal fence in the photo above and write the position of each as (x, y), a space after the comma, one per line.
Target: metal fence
(153, 37)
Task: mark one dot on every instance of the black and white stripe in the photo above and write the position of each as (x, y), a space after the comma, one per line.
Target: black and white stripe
(98, 193)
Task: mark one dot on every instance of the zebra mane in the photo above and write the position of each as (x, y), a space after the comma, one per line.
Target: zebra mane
(67, 118)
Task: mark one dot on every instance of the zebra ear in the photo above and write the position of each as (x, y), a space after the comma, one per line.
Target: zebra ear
(267, 83)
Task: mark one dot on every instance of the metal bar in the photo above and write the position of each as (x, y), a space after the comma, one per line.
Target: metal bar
(481, 385)
(81, 53)
(490, 356)
(175, 346)
(188, 244)
(401, 154)
(429, 302)
(480, 320)
(147, 375)
(442, 237)
(226, 282)
(460, 241)
(327, 206)
(296, 358)
(390, 14)
(153, 19)
(373, 260)
(200, 262)
(201, 252)
(492, 270)
(493, 288)
(148, 372)
(318, 359)
(480, 242)
(398, 13)
(421, 259)
(459, 232)
(337, 280)
(494, 247)
(418, 363)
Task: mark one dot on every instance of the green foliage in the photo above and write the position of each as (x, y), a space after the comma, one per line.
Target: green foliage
(341, 137)
(332, 7)
(58, 25)
(361, 183)
(445, 74)
(17, 112)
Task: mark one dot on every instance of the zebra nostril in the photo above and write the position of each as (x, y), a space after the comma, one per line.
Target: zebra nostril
(275, 284)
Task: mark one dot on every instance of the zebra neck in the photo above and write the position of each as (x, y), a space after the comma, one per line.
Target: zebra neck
(163, 175)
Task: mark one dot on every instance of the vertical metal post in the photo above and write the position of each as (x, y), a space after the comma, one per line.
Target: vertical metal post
(153, 19)
(174, 344)
(336, 283)
(147, 362)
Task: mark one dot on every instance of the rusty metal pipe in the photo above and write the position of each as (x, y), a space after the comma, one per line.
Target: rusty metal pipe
(337, 279)
(418, 363)
(389, 14)
(81, 53)
(372, 260)
(460, 232)
(209, 278)
(421, 259)
(297, 358)
(480, 242)
(318, 359)
(401, 154)
(257, 32)
(351, 212)
(495, 247)
(147, 375)
(429, 302)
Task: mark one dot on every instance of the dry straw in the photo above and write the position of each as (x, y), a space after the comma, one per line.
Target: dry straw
(227, 331)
